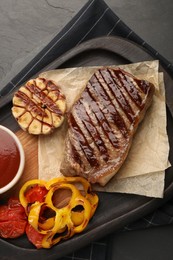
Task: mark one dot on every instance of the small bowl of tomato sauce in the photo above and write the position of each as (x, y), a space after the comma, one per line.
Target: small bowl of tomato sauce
(12, 159)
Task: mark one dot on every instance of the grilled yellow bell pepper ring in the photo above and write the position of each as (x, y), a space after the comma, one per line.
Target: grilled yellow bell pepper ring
(66, 215)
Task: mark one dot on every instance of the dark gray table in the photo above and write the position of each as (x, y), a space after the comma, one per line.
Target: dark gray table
(27, 26)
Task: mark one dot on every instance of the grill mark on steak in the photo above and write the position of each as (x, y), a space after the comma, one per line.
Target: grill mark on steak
(85, 147)
(128, 98)
(75, 154)
(129, 86)
(92, 130)
(102, 120)
(109, 107)
(117, 93)
(144, 85)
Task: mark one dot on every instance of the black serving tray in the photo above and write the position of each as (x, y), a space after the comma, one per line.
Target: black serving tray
(115, 210)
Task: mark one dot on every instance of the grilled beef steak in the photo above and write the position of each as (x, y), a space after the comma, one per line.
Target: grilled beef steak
(102, 124)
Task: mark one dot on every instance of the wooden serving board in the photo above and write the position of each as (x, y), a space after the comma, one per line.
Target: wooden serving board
(114, 210)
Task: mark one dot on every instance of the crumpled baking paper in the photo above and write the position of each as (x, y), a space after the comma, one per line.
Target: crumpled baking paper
(143, 172)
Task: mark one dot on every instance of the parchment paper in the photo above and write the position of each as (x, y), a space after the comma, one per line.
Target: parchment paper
(143, 172)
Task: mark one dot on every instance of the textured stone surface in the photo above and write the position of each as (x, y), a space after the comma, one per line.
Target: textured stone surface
(27, 25)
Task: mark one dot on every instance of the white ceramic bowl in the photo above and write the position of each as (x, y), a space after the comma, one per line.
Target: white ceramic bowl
(21, 163)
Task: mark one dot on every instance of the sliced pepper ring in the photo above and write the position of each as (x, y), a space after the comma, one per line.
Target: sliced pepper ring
(80, 201)
(71, 180)
(52, 224)
(76, 200)
(27, 186)
(51, 238)
(34, 216)
(60, 186)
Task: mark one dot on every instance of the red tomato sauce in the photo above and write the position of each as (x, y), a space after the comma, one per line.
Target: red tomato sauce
(9, 158)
